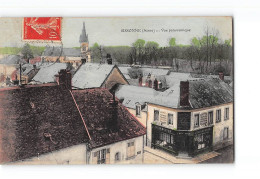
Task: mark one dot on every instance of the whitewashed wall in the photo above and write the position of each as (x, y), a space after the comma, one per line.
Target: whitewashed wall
(71, 155)
(122, 148)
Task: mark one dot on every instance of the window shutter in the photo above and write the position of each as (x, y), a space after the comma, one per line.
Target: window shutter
(108, 156)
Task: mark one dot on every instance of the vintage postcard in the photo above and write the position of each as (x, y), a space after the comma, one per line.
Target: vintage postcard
(116, 90)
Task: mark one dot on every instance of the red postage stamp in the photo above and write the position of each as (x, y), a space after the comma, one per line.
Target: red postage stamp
(42, 28)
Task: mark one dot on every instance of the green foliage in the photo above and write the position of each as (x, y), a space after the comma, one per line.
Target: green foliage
(37, 50)
(27, 51)
(228, 42)
(196, 42)
(95, 45)
(172, 42)
(10, 50)
(152, 44)
(139, 43)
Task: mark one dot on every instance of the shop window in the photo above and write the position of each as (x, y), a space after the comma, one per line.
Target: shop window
(170, 119)
(201, 144)
(226, 114)
(218, 115)
(156, 115)
(210, 117)
(196, 120)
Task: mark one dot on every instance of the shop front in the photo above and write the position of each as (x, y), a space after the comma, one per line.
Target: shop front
(176, 142)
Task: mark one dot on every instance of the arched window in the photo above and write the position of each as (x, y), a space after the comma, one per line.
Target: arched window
(117, 156)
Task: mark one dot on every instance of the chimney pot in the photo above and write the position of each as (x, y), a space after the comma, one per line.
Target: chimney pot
(83, 60)
(155, 84)
(221, 76)
(113, 121)
(184, 93)
(140, 80)
(109, 59)
(64, 78)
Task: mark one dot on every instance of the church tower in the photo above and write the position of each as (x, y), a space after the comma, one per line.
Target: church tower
(84, 45)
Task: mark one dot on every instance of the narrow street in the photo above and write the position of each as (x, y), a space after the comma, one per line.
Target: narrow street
(226, 156)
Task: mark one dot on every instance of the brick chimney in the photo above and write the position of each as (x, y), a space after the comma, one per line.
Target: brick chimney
(64, 78)
(83, 60)
(112, 122)
(140, 80)
(155, 84)
(184, 93)
(109, 59)
(150, 83)
(221, 76)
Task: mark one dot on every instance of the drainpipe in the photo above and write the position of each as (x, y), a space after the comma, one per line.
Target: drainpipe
(143, 151)
(146, 124)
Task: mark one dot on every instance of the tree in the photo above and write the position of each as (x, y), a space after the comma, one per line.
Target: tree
(151, 51)
(172, 42)
(139, 49)
(27, 51)
(96, 52)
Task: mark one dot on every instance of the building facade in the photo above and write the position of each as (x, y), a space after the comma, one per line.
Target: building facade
(197, 124)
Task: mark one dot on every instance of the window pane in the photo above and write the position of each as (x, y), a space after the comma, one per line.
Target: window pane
(210, 117)
(196, 122)
(156, 115)
(226, 113)
(218, 115)
(170, 119)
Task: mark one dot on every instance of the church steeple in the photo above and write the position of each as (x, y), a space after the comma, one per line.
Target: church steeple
(84, 45)
(83, 37)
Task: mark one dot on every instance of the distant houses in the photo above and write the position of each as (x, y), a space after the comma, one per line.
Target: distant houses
(94, 75)
(75, 56)
(47, 72)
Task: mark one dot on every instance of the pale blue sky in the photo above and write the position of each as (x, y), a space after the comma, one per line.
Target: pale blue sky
(107, 31)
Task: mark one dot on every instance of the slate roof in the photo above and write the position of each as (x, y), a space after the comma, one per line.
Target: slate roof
(209, 92)
(47, 72)
(227, 79)
(154, 71)
(202, 93)
(29, 114)
(96, 111)
(124, 70)
(12, 59)
(135, 94)
(173, 76)
(91, 75)
(58, 51)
